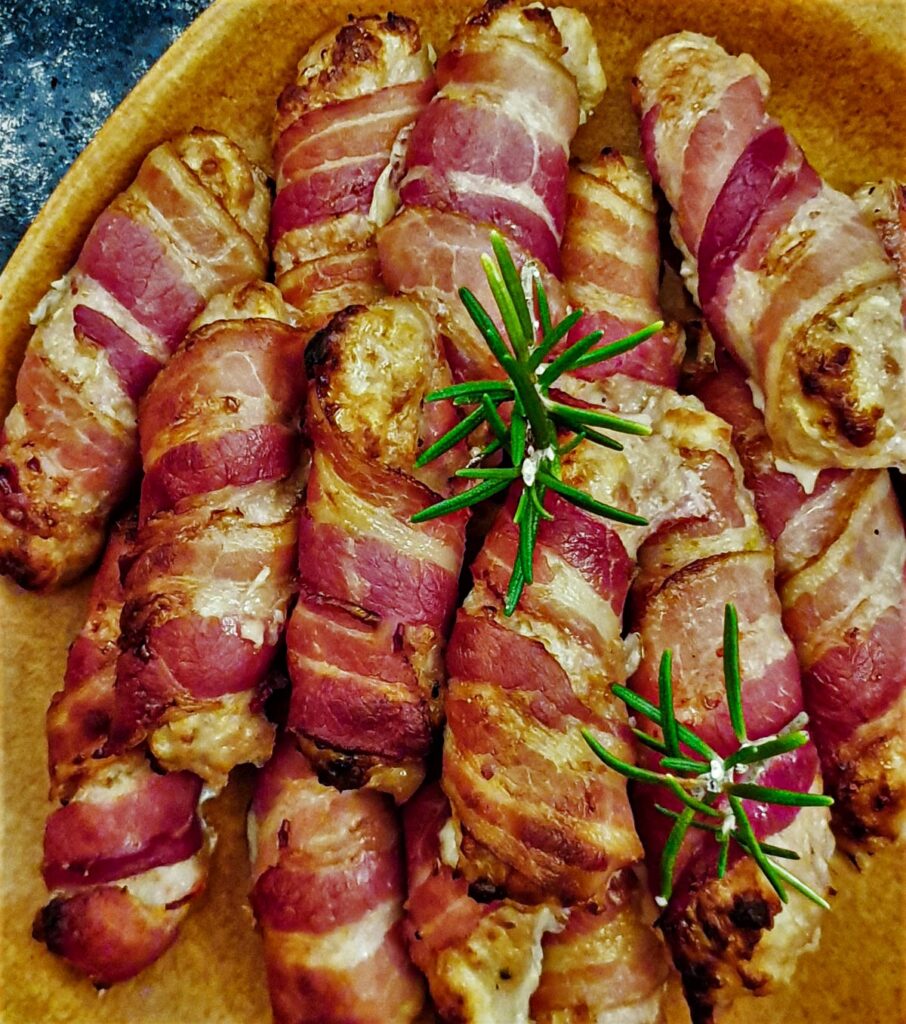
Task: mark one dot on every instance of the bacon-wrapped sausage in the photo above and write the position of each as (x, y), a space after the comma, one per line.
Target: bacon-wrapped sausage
(519, 690)
(789, 276)
(357, 90)
(608, 963)
(491, 150)
(377, 591)
(212, 570)
(127, 853)
(328, 892)
(190, 225)
(841, 576)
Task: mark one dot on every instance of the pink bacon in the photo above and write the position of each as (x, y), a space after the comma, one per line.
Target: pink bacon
(210, 576)
(490, 150)
(611, 264)
(789, 276)
(327, 891)
(126, 854)
(841, 576)
(191, 224)
(358, 88)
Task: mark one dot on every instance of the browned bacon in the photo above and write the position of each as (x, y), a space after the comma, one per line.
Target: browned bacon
(491, 150)
(327, 892)
(190, 225)
(377, 591)
(841, 576)
(519, 690)
(607, 964)
(211, 573)
(703, 548)
(478, 949)
(126, 854)
(357, 90)
(789, 276)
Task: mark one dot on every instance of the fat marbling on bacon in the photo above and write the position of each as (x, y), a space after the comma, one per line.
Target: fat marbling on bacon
(191, 224)
(357, 90)
(327, 891)
(788, 275)
(491, 150)
(211, 573)
(377, 592)
(127, 852)
(611, 267)
(841, 574)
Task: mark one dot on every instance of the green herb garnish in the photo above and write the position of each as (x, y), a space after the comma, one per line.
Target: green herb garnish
(530, 440)
(701, 779)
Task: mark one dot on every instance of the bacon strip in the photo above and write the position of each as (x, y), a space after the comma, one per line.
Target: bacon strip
(377, 591)
(611, 267)
(358, 89)
(327, 891)
(789, 276)
(211, 575)
(191, 224)
(841, 576)
(126, 855)
(491, 150)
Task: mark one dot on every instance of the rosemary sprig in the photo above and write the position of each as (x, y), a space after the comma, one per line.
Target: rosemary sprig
(709, 786)
(531, 438)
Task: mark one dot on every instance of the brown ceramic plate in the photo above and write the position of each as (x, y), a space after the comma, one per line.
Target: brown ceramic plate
(839, 74)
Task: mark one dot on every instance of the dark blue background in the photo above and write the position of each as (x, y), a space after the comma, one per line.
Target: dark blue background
(64, 67)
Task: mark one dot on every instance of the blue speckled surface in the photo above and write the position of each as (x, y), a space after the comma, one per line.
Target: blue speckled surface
(64, 67)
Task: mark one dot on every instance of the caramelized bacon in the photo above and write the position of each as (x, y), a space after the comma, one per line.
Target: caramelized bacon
(491, 150)
(519, 690)
(377, 591)
(191, 224)
(211, 574)
(358, 89)
(327, 879)
(841, 560)
(789, 276)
